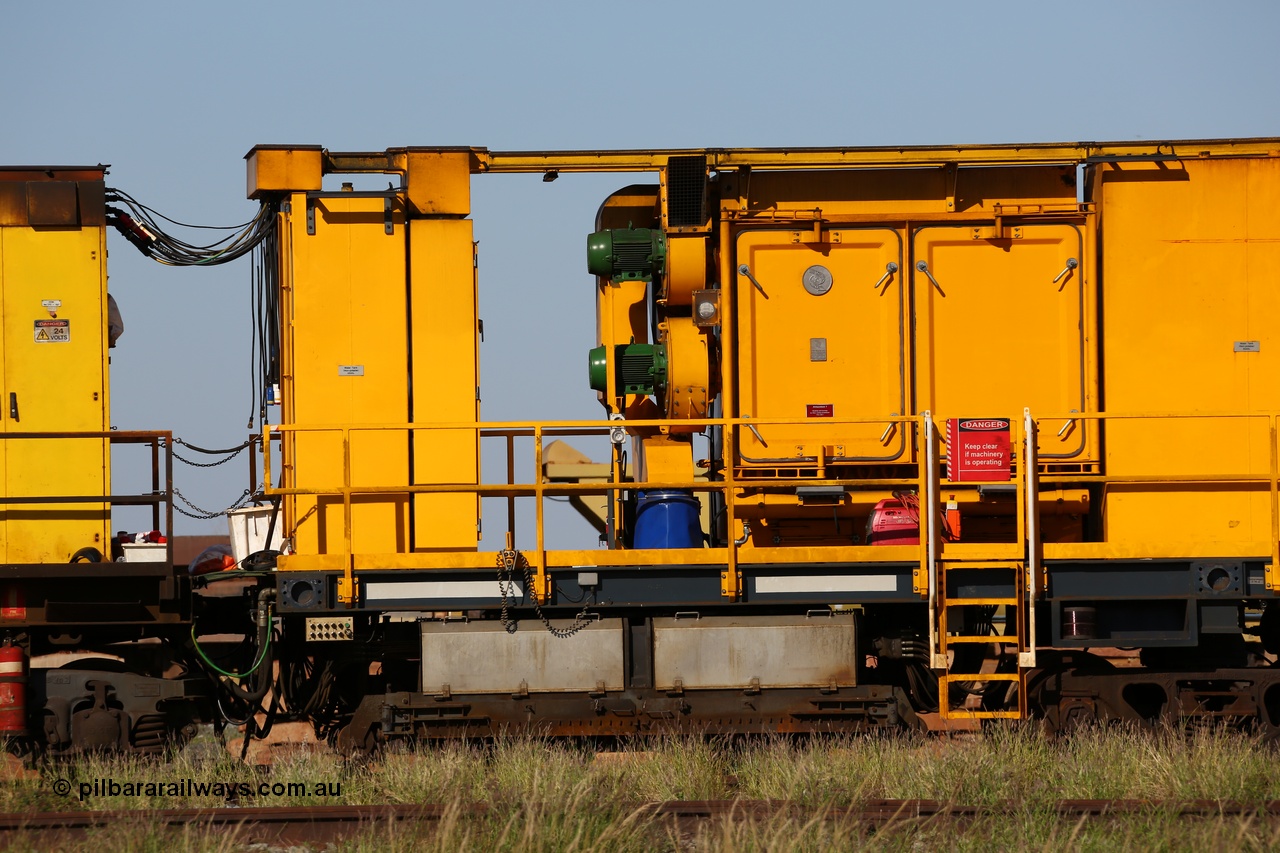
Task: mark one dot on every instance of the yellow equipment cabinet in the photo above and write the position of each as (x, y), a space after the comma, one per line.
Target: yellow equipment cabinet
(1191, 262)
(54, 352)
(964, 292)
(380, 341)
(443, 317)
(345, 356)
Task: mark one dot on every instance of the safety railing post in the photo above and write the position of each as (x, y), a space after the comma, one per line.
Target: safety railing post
(929, 510)
(1269, 577)
(346, 588)
(1027, 655)
(511, 480)
(920, 581)
(730, 587)
(542, 589)
(155, 487)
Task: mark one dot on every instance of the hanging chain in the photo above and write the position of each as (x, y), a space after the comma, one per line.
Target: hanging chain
(205, 514)
(506, 586)
(508, 560)
(233, 451)
(200, 513)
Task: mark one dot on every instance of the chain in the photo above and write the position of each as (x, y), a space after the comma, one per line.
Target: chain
(508, 559)
(194, 464)
(506, 585)
(234, 451)
(205, 514)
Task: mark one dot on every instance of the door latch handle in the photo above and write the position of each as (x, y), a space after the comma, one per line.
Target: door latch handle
(889, 269)
(756, 433)
(1066, 427)
(924, 268)
(13, 405)
(743, 269)
(1072, 263)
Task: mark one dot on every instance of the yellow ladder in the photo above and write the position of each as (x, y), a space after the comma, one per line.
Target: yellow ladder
(1026, 581)
(1015, 609)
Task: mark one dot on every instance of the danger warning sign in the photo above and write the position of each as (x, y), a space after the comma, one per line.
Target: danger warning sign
(53, 331)
(978, 449)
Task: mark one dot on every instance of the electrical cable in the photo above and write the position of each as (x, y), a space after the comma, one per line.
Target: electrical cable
(152, 210)
(264, 282)
(230, 719)
(139, 224)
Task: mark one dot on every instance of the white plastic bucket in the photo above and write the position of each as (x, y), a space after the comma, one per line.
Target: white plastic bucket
(248, 529)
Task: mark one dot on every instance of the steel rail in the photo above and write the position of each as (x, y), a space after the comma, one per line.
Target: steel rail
(328, 823)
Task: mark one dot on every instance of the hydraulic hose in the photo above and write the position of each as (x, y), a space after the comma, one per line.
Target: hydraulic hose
(263, 665)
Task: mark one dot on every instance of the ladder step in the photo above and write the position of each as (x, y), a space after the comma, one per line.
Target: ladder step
(951, 565)
(980, 602)
(991, 638)
(949, 713)
(960, 713)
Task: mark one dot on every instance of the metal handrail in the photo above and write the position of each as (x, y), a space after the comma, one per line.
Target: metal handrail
(926, 480)
(539, 487)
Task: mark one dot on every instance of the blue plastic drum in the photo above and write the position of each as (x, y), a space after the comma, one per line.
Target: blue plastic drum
(667, 519)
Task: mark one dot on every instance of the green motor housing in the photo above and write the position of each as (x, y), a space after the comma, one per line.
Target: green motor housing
(627, 254)
(640, 368)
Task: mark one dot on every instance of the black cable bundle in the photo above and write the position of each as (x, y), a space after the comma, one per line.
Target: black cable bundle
(141, 226)
(264, 365)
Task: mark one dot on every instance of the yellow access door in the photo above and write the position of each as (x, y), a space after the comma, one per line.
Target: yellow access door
(346, 351)
(1001, 324)
(54, 360)
(821, 337)
(1191, 303)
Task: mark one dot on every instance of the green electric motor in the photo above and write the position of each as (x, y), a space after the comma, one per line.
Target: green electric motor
(640, 369)
(627, 254)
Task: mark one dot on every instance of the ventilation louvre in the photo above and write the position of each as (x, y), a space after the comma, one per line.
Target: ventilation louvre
(687, 191)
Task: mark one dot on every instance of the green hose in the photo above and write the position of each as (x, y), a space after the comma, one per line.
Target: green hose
(261, 656)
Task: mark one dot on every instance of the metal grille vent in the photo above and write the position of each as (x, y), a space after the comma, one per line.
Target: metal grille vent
(686, 191)
(633, 256)
(637, 370)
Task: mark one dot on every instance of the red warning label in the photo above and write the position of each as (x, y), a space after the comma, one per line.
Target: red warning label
(13, 603)
(820, 410)
(978, 449)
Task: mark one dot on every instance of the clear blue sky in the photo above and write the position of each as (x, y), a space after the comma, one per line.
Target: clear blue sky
(173, 94)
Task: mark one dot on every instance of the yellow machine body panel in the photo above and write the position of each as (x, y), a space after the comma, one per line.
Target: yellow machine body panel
(380, 341)
(344, 368)
(822, 337)
(964, 292)
(446, 389)
(1003, 324)
(1191, 262)
(849, 293)
(54, 355)
(901, 194)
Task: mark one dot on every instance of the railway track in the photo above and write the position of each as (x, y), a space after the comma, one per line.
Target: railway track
(322, 824)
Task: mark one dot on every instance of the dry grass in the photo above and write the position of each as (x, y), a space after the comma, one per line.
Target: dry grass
(558, 795)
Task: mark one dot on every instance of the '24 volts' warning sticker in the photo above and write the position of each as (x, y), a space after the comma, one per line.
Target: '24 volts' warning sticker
(53, 331)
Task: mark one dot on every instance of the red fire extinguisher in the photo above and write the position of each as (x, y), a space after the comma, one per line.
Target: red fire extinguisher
(13, 690)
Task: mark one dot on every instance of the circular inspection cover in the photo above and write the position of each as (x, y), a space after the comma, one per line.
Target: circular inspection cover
(817, 279)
